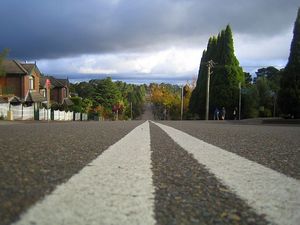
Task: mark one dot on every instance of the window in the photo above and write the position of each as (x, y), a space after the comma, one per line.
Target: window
(31, 83)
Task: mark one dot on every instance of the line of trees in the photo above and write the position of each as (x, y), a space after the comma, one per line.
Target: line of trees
(166, 101)
(108, 100)
(259, 95)
(272, 93)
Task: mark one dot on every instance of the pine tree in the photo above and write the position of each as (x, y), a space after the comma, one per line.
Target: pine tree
(225, 78)
(194, 101)
(289, 94)
(106, 93)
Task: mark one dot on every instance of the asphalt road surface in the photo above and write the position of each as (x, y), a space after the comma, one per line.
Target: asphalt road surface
(142, 172)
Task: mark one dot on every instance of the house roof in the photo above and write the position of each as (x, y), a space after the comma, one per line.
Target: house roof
(15, 67)
(35, 97)
(29, 66)
(68, 102)
(11, 99)
(65, 82)
(60, 83)
(56, 83)
(3, 99)
(15, 99)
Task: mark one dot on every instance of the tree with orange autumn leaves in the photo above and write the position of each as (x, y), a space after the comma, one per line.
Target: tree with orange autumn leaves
(166, 101)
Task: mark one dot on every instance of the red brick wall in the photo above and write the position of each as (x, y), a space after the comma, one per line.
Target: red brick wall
(54, 95)
(63, 94)
(58, 95)
(12, 83)
(25, 85)
(18, 84)
(2, 84)
(36, 78)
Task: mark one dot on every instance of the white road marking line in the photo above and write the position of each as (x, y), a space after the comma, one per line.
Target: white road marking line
(116, 188)
(267, 191)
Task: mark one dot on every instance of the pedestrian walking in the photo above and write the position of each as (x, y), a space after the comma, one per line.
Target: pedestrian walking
(216, 114)
(223, 113)
(235, 113)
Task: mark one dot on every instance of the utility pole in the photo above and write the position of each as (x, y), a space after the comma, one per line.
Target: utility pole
(131, 110)
(48, 86)
(210, 64)
(274, 108)
(181, 111)
(240, 99)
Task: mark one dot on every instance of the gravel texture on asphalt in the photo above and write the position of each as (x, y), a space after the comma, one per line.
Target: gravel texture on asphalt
(186, 193)
(274, 146)
(36, 157)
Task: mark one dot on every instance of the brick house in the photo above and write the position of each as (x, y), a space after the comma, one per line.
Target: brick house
(22, 81)
(59, 91)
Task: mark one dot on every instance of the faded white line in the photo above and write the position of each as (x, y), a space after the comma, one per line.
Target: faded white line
(116, 188)
(267, 191)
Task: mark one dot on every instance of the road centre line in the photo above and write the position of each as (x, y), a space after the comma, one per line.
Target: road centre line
(115, 188)
(267, 191)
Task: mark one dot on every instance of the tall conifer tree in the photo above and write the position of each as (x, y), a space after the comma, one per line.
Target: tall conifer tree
(225, 78)
(289, 94)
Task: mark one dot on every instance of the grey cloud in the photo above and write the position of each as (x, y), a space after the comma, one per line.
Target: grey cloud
(36, 29)
(137, 78)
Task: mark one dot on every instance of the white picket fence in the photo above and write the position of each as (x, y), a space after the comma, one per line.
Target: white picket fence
(27, 113)
(4, 107)
(84, 116)
(22, 113)
(62, 115)
(77, 116)
(67, 116)
(19, 112)
(44, 113)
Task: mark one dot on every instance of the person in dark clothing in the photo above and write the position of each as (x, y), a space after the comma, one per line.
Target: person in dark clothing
(216, 114)
(223, 113)
(235, 113)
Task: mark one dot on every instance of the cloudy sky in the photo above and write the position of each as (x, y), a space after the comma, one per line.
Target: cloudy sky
(142, 39)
